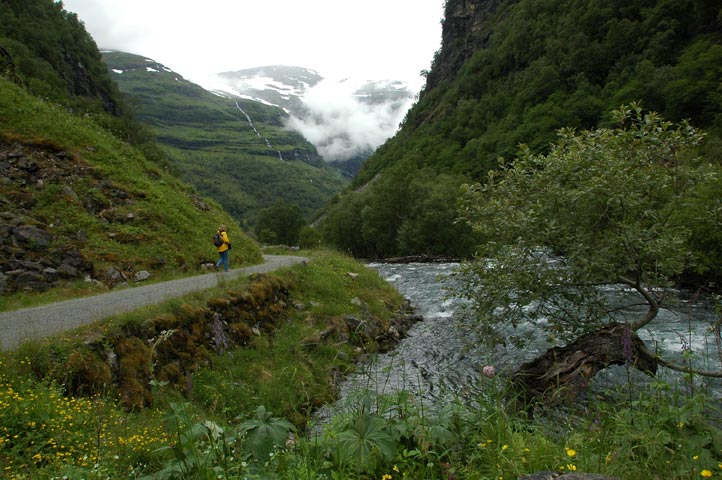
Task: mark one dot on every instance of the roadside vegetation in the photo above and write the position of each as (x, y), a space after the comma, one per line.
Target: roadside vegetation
(249, 413)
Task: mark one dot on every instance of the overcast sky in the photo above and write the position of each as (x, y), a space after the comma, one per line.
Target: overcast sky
(363, 39)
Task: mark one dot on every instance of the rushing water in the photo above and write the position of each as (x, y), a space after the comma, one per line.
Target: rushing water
(442, 355)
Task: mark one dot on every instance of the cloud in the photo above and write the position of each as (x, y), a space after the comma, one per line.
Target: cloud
(361, 38)
(341, 125)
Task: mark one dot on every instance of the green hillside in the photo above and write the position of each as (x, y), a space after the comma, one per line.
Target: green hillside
(86, 198)
(233, 150)
(513, 72)
(91, 193)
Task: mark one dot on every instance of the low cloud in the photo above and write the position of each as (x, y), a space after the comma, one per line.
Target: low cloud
(343, 124)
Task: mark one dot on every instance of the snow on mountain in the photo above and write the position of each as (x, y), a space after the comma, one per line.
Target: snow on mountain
(345, 119)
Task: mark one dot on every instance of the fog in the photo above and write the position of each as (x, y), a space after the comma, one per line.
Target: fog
(343, 124)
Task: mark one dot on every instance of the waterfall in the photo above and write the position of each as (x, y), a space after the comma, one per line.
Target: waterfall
(258, 134)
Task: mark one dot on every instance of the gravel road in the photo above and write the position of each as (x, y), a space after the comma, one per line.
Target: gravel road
(38, 322)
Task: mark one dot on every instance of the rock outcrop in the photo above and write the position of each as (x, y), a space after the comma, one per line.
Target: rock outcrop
(466, 28)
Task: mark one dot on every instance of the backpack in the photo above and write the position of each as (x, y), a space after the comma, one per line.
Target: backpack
(217, 239)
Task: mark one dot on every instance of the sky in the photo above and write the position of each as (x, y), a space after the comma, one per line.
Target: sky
(365, 39)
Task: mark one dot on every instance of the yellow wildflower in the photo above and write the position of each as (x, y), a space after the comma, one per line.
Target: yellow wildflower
(571, 452)
(705, 473)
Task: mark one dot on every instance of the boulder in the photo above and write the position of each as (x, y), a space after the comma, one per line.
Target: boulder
(32, 281)
(142, 276)
(32, 236)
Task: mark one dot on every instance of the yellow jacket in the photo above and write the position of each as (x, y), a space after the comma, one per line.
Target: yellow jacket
(224, 246)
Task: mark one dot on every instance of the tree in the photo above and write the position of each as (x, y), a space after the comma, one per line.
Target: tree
(280, 222)
(601, 209)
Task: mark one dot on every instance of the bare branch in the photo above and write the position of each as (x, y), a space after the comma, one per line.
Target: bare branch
(683, 368)
(649, 297)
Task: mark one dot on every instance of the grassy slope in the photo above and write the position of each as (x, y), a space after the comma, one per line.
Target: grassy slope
(213, 146)
(170, 222)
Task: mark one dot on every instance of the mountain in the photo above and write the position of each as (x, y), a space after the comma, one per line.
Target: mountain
(512, 72)
(346, 120)
(237, 151)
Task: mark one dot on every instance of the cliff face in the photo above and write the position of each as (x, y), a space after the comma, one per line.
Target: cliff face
(466, 28)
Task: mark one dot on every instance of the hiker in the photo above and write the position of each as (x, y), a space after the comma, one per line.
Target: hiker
(223, 248)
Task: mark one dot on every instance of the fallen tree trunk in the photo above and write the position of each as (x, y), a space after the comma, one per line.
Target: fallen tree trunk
(562, 372)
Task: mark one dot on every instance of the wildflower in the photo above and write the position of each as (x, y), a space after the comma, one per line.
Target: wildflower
(695, 458)
(571, 467)
(571, 452)
(705, 473)
(395, 469)
(386, 477)
(504, 447)
(488, 371)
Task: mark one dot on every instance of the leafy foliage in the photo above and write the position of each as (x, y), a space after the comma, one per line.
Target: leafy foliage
(541, 66)
(603, 207)
(280, 223)
(264, 433)
(54, 56)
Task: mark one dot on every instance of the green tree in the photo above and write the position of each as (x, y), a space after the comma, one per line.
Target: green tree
(602, 208)
(280, 223)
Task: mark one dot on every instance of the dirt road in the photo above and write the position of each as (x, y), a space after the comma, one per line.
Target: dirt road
(38, 322)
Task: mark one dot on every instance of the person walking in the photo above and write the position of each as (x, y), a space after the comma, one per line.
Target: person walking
(223, 249)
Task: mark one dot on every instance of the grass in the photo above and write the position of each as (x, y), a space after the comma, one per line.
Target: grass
(242, 409)
(210, 142)
(170, 230)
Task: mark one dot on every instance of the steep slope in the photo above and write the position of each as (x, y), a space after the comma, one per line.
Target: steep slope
(49, 50)
(512, 72)
(77, 201)
(234, 150)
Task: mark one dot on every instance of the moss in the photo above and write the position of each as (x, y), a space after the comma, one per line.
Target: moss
(86, 373)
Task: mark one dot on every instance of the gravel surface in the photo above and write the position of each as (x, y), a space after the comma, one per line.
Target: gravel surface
(38, 322)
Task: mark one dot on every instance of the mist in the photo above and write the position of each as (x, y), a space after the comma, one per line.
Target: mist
(343, 121)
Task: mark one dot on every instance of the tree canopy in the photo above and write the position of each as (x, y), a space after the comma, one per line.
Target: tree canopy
(609, 207)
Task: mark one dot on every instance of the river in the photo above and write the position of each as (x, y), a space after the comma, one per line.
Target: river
(442, 358)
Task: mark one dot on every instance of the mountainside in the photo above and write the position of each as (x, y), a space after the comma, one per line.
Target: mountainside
(345, 120)
(78, 202)
(512, 72)
(234, 150)
(86, 199)
(49, 51)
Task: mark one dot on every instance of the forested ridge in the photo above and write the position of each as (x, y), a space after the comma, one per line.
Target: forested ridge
(514, 72)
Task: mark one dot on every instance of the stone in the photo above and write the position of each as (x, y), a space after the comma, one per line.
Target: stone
(67, 270)
(142, 276)
(32, 281)
(69, 194)
(32, 235)
(50, 274)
